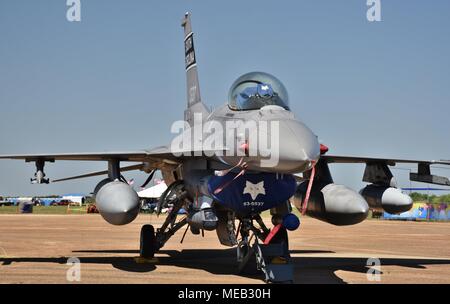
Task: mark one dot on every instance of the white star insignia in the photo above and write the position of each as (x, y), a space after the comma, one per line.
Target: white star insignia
(254, 189)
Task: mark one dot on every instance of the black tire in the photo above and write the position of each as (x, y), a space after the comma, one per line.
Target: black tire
(147, 242)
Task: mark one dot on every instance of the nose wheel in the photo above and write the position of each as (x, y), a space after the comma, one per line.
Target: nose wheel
(271, 258)
(148, 245)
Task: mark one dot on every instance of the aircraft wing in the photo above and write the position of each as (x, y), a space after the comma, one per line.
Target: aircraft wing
(159, 153)
(377, 171)
(124, 156)
(149, 160)
(388, 161)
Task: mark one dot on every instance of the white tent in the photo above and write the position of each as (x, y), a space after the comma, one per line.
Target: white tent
(79, 199)
(153, 192)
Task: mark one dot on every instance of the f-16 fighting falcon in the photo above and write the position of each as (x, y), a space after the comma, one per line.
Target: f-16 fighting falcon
(225, 167)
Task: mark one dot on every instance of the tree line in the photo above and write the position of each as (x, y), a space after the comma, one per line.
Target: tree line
(421, 197)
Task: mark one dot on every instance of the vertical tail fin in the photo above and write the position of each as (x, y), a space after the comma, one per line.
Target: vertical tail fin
(194, 102)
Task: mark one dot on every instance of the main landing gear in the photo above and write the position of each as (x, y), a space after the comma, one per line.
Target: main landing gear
(174, 198)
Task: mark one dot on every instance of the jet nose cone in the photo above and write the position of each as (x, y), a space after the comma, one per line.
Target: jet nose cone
(298, 147)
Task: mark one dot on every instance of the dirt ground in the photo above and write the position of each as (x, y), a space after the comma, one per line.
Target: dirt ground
(35, 249)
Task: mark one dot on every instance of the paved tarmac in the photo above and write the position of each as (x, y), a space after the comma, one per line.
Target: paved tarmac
(35, 249)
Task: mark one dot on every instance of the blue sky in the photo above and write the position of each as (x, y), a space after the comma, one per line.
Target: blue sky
(115, 80)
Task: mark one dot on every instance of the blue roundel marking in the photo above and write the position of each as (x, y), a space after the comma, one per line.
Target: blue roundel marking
(252, 192)
(291, 222)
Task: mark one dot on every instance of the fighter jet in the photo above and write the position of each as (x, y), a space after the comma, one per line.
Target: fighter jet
(225, 167)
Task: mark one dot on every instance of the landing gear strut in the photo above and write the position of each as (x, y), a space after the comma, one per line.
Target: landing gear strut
(272, 259)
(254, 251)
(174, 197)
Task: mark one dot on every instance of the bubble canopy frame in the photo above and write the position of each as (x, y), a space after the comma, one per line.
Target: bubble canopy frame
(254, 90)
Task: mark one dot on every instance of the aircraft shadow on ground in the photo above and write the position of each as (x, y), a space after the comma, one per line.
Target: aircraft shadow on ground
(223, 262)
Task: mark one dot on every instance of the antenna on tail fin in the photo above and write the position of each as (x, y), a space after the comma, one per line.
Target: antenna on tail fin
(194, 102)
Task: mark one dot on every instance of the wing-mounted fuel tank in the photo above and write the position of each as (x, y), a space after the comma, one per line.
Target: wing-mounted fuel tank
(382, 193)
(329, 202)
(386, 198)
(116, 201)
(332, 203)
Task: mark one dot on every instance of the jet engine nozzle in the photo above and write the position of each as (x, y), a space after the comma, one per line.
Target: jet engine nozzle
(117, 203)
(386, 198)
(332, 203)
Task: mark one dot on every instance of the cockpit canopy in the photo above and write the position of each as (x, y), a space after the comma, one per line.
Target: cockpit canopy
(255, 90)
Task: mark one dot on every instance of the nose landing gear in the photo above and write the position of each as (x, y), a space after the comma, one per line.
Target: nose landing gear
(271, 258)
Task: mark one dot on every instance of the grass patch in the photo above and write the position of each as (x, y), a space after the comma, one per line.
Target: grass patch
(46, 210)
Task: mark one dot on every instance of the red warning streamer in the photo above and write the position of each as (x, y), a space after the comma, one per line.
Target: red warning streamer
(271, 234)
(241, 165)
(308, 190)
